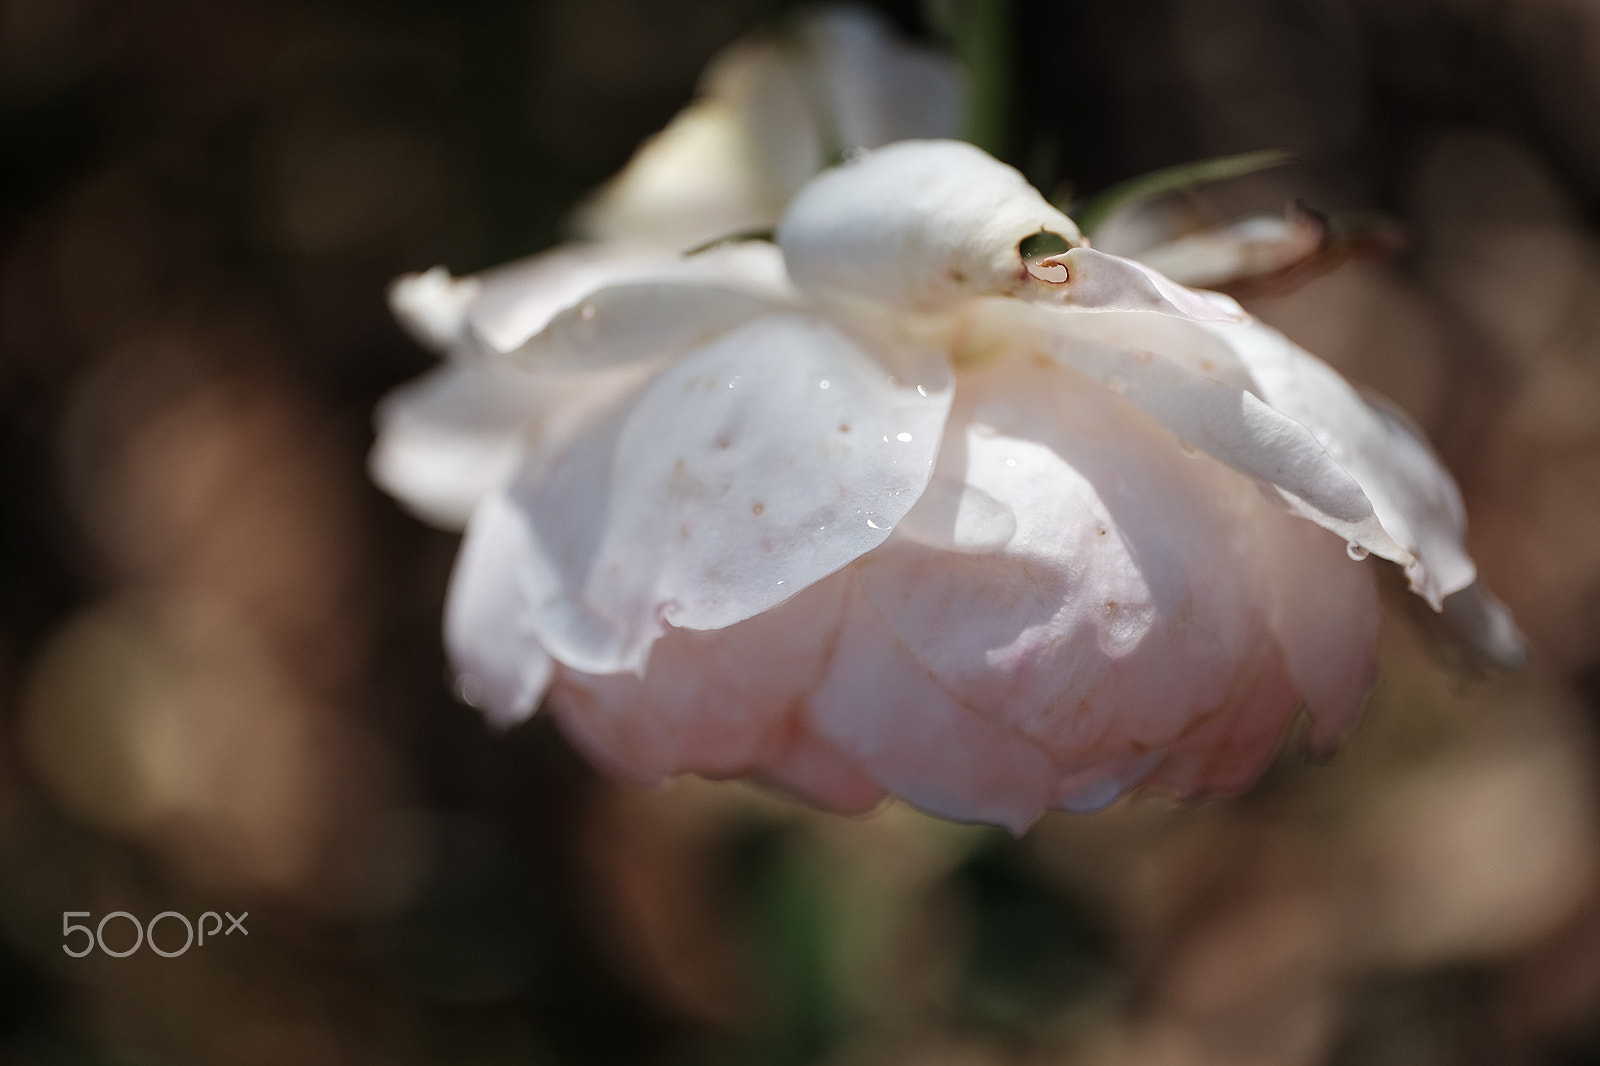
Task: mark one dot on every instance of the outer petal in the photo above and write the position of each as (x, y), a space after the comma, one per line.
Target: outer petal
(880, 704)
(745, 472)
(449, 438)
(488, 631)
(1222, 419)
(500, 310)
(454, 435)
(1126, 628)
(723, 703)
(1412, 494)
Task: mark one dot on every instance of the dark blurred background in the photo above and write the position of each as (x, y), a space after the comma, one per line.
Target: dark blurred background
(221, 686)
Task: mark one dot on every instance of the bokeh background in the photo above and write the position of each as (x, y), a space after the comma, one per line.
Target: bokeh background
(221, 686)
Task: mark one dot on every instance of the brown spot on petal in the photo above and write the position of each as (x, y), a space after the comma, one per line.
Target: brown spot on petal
(757, 508)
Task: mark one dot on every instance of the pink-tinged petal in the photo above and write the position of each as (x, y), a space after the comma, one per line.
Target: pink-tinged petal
(721, 703)
(745, 472)
(1324, 615)
(879, 704)
(820, 772)
(1091, 280)
(488, 632)
(1126, 615)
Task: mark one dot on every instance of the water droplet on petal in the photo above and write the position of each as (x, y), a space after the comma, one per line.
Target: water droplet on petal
(921, 391)
(903, 437)
(824, 384)
(1356, 551)
(1188, 449)
(1011, 462)
(873, 524)
(468, 690)
(587, 312)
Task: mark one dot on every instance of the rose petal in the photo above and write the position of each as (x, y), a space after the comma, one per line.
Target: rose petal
(488, 631)
(449, 438)
(722, 703)
(1220, 418)
(1411, 493)
(745, 472)
(879, 704)
(917, 225)
(1128, 614)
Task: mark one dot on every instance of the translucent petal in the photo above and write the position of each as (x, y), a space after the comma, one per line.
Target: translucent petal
(1223, 419)
(745, 472)
(452, 436)
(449, 438)
(1411, 493)
(499, 664)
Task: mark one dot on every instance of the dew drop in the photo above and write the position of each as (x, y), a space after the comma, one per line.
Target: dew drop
(1188, 449)
(587, 312)
(1011, 462)
(824, 384)
(903, 437)
(734, 381)
(468, 690)
(1356, 551)
(921, 391)
(873, 524)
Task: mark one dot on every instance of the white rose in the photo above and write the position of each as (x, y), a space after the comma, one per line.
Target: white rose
(931, 499)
